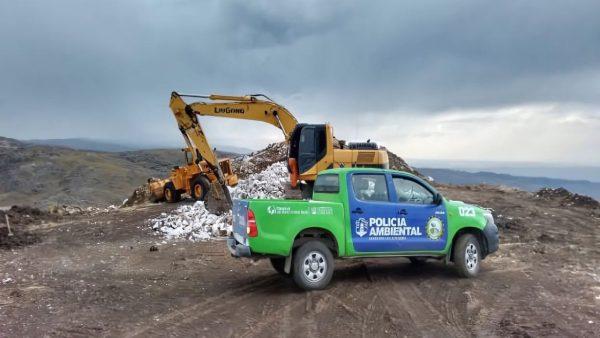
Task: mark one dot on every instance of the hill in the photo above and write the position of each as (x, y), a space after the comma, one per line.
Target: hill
(83, 144)
(41, 175)
(527, 183)
(108, 146)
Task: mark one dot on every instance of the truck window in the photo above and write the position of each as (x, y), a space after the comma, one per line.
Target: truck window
(327, 183)
(409, 191)
(370, 187)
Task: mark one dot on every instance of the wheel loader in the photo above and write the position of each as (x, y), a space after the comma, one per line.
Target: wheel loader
(196, 180)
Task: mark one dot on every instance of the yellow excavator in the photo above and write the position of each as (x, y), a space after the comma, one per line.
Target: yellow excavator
(312, 147)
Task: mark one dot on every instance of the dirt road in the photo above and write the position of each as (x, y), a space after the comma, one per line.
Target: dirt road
(97, 276)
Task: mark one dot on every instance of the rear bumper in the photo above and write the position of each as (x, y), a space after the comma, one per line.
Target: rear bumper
(238, 249)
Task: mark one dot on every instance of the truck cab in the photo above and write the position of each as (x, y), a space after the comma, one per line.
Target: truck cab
(362, 212)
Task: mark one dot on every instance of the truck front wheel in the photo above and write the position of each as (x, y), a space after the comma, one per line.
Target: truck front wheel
(313, 265)
(467, 255)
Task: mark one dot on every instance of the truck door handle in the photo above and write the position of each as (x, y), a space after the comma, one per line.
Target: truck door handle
(402, 212)
(357, 211)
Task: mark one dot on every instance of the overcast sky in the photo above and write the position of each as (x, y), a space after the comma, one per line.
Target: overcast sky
(497, 80)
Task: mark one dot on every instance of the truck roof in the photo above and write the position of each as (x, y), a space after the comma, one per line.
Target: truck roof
(366, 170)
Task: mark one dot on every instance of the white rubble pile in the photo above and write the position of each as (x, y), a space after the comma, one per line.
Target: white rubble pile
(195, 222)
(192, 222)
(76, 210)
(269, 183)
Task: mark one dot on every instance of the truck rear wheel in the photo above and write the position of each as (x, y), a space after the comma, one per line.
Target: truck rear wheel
(467, 255)
(200, 186)
(278, 264)
(313, 265)
(172, 195)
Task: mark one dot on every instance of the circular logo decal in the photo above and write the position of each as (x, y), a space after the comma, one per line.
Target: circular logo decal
(434, 228)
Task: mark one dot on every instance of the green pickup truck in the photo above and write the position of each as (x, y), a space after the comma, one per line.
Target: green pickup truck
(361, 212)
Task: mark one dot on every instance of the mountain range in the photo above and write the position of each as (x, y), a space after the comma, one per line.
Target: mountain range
(451, 176)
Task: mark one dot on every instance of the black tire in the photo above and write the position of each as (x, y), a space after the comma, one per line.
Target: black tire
(278, 264)
(199, 186)
(417, 260)
(172, 195)
(467, 267)
(313, 265)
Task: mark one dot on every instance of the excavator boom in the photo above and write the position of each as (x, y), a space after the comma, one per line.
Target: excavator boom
(246, 108)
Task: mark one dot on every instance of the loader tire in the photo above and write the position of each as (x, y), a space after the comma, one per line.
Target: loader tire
(200, 187)
(172, 195)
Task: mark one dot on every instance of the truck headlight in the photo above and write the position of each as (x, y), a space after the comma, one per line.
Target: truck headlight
(489, 219)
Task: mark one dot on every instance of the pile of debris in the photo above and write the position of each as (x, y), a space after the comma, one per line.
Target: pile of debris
(397, 163)
(195, 222)
(269, 183)
(567, 198)
(256, 162)
(69, 210)
(141, 194)
(25, 215)
(18, 217)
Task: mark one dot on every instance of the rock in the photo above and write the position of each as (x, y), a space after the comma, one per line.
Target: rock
(567, 198)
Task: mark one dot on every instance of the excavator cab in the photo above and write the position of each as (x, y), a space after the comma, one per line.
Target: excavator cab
(308, 145)
(187, 155)
(313, 148)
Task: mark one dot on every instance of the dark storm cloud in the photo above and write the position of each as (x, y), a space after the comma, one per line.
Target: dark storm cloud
(105, 67)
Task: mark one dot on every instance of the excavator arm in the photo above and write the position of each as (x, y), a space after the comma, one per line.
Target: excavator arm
(240, 107)
(196, 140)
(192, 132)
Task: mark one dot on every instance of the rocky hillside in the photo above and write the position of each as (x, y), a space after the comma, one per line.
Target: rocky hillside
(42, 176)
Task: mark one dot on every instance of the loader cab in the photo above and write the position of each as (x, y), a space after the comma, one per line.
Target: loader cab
(308, 145)
(187, 155)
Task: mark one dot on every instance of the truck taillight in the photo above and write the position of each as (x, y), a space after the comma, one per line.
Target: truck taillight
(251, 228)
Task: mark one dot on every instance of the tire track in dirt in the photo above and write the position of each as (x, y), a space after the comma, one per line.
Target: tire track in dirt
(228, 298)
(455, 308)
(415, 311)
(307, 307)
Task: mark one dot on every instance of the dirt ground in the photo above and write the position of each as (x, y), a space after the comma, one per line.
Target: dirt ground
(97, 275)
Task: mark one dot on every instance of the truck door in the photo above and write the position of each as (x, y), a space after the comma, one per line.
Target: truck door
(369, 201)
(394, 214)
(419, 211)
